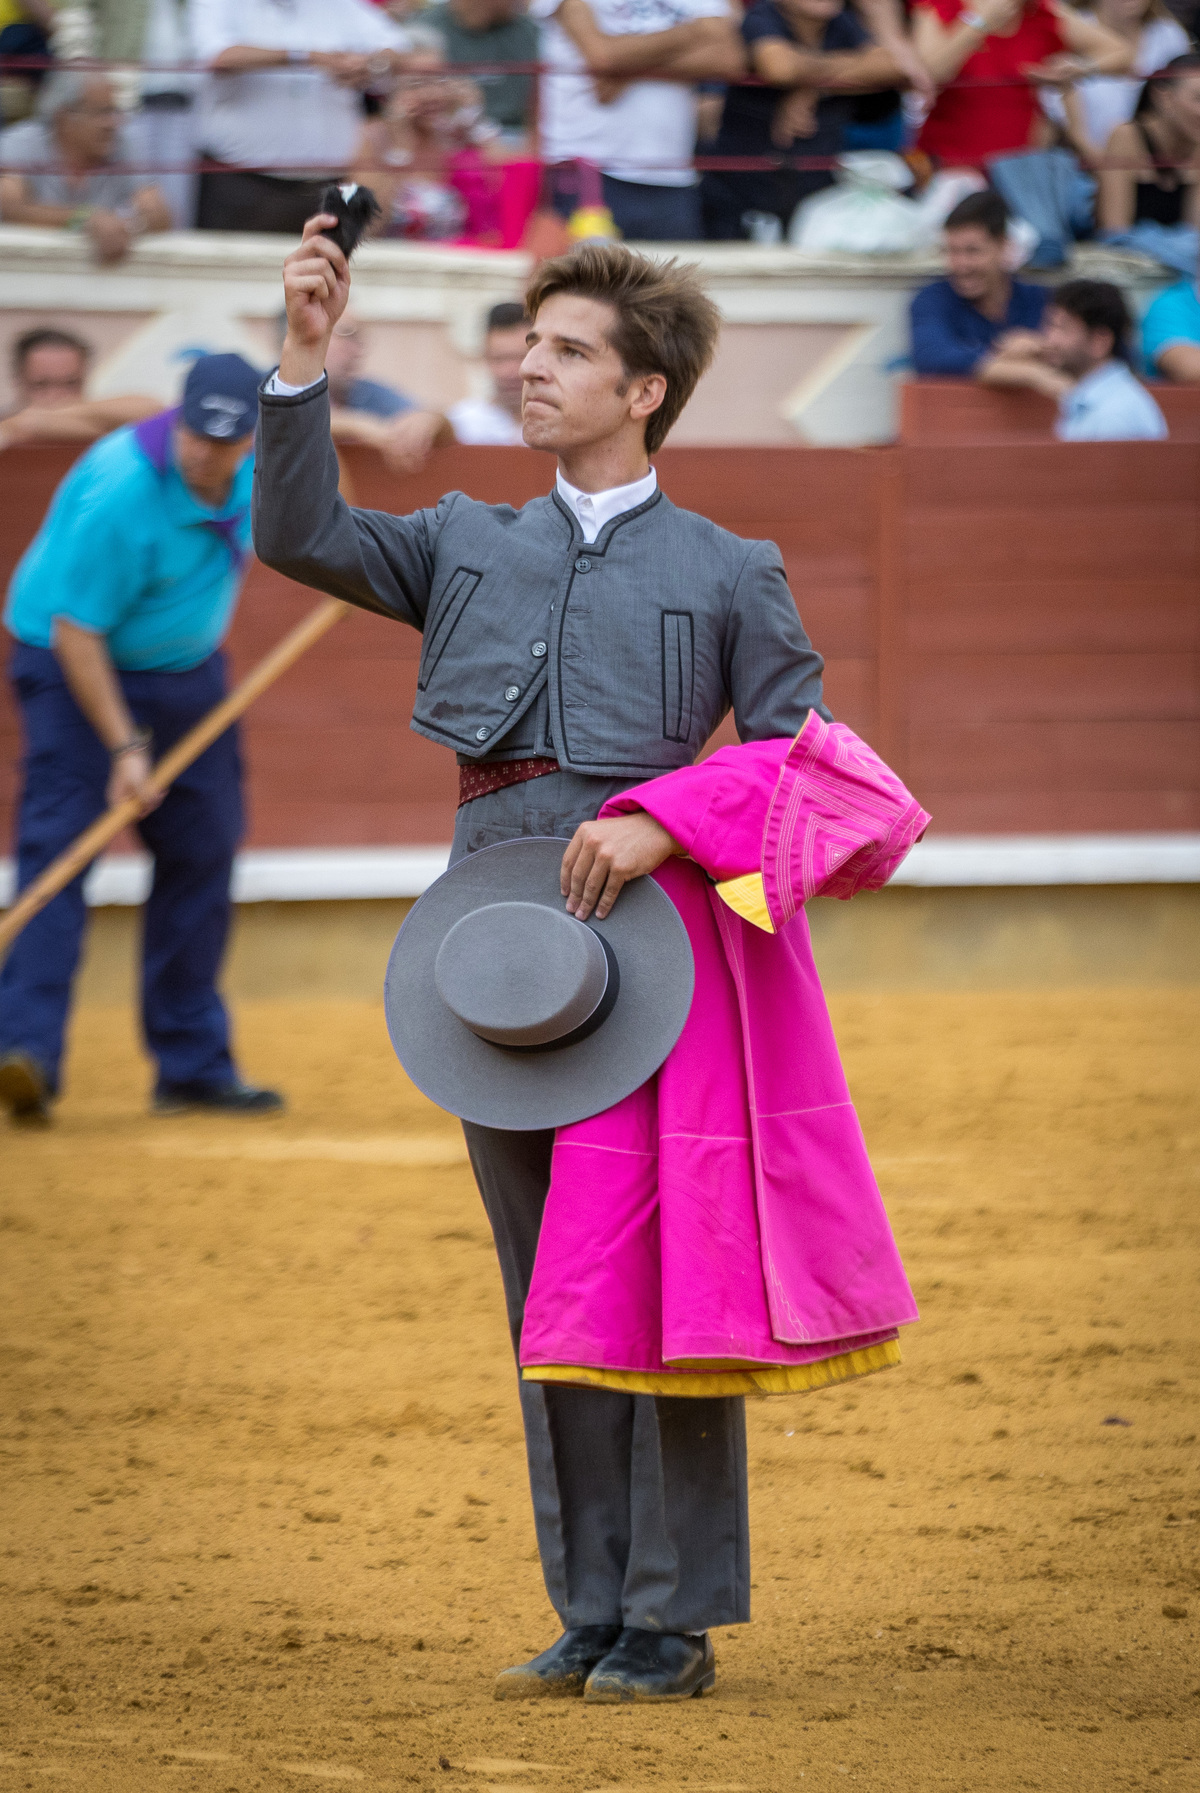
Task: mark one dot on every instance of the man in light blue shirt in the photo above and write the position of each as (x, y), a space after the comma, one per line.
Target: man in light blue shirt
(1171, 333)
(118, 609)
(1082, 360)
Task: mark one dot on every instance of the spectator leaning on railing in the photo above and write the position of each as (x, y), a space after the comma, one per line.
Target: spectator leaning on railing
(496, 421)
(1081, 359)
(281, 103)
(809, 54)
(640, 133)
(156, 34)
(987, 59)
(959, 322)
(49, 369)
(68, 168)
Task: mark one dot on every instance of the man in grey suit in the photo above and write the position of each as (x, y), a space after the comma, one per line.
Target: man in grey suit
(571, 649)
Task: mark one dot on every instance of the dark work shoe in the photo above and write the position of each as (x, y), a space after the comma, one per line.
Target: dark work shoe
(563, 1668)
(215, 1098)
(653, 1665)
(24, 1090)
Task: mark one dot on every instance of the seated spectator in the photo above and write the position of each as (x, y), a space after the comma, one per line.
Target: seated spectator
(1089, 111)
(435, 135)
(641, 134)
(49, 368)
(1171, 333)
(957, 323)
(284, 86)
(811, 53)
(474, 31)
(1160, 152)
(497, 421)
(68, 168)
(985, 60)
(369, 414)
(1082, 361)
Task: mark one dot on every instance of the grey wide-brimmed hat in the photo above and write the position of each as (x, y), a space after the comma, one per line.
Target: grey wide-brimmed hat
(507, 1011)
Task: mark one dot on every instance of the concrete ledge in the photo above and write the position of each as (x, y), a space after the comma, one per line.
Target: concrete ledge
(1032, 859)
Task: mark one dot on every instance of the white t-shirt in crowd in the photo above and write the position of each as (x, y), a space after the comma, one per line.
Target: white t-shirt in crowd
(647, 134)
(294, 120)
(167, 41)
(478, 421)
(1109, 100)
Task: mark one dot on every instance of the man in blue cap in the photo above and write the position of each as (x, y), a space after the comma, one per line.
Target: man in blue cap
(118, 609)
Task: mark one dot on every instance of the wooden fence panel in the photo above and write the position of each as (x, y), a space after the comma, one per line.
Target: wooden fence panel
(1015, 626)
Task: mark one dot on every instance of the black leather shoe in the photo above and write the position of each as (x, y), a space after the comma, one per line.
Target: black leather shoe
(216, 1098)
(24, 1090)
(563, 1668)
(653, 1665)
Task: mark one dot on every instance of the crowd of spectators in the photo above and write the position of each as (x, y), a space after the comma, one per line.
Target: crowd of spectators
(235, 114)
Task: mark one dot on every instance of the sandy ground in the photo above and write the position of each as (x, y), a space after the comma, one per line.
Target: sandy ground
(264, 1517)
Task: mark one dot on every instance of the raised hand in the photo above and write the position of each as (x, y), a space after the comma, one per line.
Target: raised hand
(316, 286)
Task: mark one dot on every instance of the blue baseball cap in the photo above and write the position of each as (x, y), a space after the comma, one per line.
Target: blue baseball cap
(220, 400)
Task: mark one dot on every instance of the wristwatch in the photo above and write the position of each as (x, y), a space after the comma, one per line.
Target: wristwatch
(974, 19)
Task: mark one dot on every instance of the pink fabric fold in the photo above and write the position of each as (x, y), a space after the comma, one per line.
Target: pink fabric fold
(725, 1212)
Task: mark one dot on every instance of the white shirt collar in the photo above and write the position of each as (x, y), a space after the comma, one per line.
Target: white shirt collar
(592, 510)
(1085, 390)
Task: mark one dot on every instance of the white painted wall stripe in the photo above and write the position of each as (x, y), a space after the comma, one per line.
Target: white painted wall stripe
(338, 874)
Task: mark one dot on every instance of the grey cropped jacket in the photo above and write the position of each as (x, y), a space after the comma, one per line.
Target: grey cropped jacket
(619, 657)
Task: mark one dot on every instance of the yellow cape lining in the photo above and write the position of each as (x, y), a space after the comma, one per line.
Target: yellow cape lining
(782, 1379)
(747, 898)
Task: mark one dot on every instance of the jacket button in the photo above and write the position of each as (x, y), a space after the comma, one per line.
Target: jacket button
(538, 649)
(583, 564)
(511, 693)
(481, 734)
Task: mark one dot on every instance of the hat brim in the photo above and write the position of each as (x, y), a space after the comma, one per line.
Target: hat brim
(521, 1091)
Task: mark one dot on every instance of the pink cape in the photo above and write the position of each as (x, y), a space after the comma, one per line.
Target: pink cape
(720, 1229)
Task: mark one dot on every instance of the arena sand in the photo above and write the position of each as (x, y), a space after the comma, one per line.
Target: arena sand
(264, 1511)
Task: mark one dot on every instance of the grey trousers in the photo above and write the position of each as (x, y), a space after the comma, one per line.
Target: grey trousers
(640, 1502)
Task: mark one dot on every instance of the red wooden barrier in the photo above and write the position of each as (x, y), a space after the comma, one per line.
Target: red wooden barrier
(1014, 627)
(938, 412)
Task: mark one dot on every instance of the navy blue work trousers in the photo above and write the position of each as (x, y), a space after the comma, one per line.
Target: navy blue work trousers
(191, 836)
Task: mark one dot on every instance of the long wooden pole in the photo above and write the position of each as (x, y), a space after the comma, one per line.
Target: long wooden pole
(93, 841)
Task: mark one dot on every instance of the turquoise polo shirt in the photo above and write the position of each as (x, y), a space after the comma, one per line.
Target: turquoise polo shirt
(127, 552)
(1173, 317)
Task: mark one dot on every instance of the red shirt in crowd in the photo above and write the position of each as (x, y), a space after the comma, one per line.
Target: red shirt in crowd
(970, 122)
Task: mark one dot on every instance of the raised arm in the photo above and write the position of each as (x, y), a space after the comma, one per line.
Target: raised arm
(302, 526)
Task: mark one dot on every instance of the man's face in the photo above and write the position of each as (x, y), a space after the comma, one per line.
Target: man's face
(575, 392)
(88, 131)
(974, 261)
(50, 377)
(504, 352)
(1070, 346)
(207, 467)
(346, 347)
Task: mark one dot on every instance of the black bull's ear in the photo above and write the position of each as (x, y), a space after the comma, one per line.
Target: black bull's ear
(356, 209)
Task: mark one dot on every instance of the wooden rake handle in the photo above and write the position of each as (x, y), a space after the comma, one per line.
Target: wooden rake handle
(93, 840)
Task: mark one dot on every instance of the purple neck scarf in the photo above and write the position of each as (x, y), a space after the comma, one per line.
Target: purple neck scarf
(153, 437)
